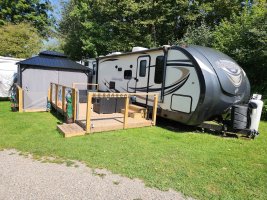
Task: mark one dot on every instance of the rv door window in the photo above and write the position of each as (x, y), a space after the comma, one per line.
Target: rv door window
(127, 74)
(142, 71)
(159, 70)
(94, 66)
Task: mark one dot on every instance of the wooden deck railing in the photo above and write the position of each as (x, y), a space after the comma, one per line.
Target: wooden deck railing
(126, 96)
(61, 105)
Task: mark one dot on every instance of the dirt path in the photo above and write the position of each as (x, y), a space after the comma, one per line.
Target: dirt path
(25, 178)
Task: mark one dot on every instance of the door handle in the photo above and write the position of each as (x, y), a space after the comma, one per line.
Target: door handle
(136, 79)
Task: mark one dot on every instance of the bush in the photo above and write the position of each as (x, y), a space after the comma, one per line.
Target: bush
(264, 111)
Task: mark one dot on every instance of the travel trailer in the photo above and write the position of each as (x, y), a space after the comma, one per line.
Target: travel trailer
(194, 83)
(8, 74)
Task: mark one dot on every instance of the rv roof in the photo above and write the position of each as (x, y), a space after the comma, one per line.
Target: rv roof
(129, 53)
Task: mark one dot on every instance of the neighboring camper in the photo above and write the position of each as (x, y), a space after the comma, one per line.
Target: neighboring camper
(194, 83)
(91, 64)
(8, 73)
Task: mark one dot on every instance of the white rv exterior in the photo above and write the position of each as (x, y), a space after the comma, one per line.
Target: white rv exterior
(194, 83)
(8, 72)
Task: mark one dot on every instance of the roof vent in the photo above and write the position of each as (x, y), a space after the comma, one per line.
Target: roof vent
(139, 49)
(114, 53)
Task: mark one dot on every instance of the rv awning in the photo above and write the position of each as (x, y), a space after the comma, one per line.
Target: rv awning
(52, 59)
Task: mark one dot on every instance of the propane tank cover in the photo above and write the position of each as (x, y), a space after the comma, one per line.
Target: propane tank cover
(255, 115)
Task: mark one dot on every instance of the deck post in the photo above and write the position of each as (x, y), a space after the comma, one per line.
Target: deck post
(88, 112)
(63, 98)
(125, 119)
(155, 106)
(51, 93)
(20, 99)
(56, 100)
(74, 102)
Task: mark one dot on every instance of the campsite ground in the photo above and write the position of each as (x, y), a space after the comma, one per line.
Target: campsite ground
(202, 166)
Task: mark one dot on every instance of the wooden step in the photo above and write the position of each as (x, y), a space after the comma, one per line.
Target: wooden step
(129, 111)
(134, 114)
(70, 130)
(136, 108)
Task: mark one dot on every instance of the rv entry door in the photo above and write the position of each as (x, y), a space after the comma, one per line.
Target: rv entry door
(143, 63)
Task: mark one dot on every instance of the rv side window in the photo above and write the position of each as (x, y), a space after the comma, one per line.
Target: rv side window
(127, 74)
(142, 71)
(159, 69)
(86, 63)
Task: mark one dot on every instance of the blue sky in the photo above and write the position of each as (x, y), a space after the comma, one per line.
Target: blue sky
(56, 12)
(57, 6)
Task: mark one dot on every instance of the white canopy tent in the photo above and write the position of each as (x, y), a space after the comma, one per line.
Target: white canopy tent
(8, 72)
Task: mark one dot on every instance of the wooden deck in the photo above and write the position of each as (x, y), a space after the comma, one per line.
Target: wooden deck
(87, 121)
(110, 122)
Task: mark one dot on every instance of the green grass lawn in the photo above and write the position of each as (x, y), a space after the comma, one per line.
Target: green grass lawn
(202, 166)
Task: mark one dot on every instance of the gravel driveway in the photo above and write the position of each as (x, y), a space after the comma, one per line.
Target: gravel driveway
(25, 178)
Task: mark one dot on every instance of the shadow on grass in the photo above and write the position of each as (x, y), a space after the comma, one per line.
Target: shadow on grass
(57, 115)
(4, 99)
(174, 126)
(181, 128)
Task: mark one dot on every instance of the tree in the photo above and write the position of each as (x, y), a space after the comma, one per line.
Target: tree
(36, 12)
(244, 38)
(201, 35)
(21, 40)
(95, 27)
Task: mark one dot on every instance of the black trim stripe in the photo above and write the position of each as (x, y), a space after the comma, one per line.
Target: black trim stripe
(180, 64)
(181, 60)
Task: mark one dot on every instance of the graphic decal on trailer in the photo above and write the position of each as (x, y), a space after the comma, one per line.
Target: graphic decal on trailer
(167, 90)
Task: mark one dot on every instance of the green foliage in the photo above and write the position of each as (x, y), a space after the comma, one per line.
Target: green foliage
(95, 27)
(36, 12)
(244, 38)
(201, 35)
(21, 40)
(264, 111)
(201, 166)
(54, 44)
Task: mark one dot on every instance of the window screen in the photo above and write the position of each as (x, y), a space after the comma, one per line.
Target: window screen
(159, 69)
(142, 70)
(127, 74)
